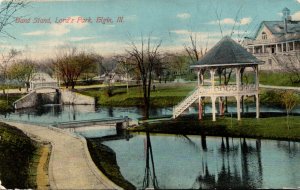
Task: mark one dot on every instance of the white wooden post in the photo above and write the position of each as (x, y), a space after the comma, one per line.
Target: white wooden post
(294, 46)
(256, 78)
(213, 107)
(257, 105)
(198, 78)
(238, 107)
(237, 76)
(212, 78)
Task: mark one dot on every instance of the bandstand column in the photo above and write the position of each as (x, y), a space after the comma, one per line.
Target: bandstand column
(213, 107)
(238, 107)
(257, 105)
(256, 77)
(212, 78)
(198, 77)
(294, 46)
(276, 49)
(200, 108)
(238, 80)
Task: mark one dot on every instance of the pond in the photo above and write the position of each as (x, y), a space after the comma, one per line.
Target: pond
(181, 162)
(51, 114)
(176, 161)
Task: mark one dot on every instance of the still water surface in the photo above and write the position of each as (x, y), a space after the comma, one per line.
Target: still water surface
(185, 161)
(51, 114)
(191, 162)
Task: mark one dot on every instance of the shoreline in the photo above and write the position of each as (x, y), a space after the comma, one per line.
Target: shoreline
(266, 127)
(63, 174)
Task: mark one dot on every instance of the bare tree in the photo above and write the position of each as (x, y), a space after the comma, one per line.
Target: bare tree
(145, 58)
(194, 50)
(8, 9)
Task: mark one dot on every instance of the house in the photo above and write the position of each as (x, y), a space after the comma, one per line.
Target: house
(274, 41)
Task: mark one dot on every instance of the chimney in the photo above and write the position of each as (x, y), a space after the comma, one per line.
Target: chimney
(286, 18)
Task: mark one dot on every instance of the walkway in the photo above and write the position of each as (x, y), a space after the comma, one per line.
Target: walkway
(280, 87)
(71, 166)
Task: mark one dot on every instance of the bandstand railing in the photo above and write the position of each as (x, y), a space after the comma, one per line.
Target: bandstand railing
(227, 88)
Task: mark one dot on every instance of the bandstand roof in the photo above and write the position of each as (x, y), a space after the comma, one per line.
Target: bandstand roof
(227, 52)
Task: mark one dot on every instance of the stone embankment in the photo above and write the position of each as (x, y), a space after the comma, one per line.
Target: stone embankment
(68, 97)
(70, 166)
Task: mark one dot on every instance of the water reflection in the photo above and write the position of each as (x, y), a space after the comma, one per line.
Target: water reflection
(178, 161)
(51, 113)
(149, 177)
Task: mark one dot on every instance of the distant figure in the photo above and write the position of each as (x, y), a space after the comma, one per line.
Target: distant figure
(154, 87)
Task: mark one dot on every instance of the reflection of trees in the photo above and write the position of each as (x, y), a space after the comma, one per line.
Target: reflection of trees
(292, 149)
(149, 156)
(229, 176)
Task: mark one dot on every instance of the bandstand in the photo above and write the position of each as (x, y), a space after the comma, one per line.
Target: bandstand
(224, 61)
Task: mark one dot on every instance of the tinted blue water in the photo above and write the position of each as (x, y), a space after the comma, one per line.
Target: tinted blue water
(51, 114)
(184, 162)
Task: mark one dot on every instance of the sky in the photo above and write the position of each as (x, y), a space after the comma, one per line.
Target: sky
(171, 21)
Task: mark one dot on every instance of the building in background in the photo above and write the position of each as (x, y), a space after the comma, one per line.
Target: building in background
(276, 42)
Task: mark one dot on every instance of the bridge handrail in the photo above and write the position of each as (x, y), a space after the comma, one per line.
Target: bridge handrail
(23, 97)
(114, 119)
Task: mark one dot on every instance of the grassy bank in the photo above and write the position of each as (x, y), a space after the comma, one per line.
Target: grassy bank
(164, 95)
(105, 159)
(7, 101)
(276, 79)
(18, 159)
(267, 127)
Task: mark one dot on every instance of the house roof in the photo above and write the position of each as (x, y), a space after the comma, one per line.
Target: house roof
(277, 27)
(227, 52)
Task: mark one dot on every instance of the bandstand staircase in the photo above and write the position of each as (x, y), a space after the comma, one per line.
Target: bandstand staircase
(184, 104)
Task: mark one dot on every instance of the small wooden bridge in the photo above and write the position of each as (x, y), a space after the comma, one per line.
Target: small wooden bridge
(118, 122)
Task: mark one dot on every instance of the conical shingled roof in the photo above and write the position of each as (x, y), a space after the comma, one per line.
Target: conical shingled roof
(227, 52)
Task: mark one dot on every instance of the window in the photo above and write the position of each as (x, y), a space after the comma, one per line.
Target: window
(264, 36)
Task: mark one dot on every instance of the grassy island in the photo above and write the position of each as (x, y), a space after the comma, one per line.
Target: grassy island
(272, 126)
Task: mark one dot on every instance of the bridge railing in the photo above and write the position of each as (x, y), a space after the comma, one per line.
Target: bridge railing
(36, 85)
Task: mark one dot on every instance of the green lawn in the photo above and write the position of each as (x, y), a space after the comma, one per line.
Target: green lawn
(276, 79)
(164, 95)
(6, 102)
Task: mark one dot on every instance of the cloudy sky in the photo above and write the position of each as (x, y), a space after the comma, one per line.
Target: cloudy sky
(171, 21)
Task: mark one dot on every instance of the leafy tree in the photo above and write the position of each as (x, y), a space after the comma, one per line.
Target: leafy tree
(289, 100)
(22, 71)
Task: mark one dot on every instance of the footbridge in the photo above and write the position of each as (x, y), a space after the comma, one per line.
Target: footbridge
(118, 122)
